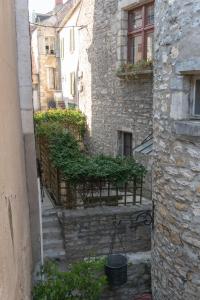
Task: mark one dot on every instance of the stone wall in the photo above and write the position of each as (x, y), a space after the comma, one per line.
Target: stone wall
(176, 246)
(88, 232)
(110, 104)
(15, 241)
(26, 105)
(147, 161)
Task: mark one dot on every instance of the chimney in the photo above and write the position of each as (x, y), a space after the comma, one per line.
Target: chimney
(58, 2)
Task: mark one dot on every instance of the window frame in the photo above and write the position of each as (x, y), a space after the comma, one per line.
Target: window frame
(48, 44)
(142, 31)
(121, 143)
(193, 97)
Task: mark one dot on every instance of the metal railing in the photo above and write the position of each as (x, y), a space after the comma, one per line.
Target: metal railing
(87, 193)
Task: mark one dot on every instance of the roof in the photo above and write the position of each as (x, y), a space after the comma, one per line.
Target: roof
(67, 12)
(64, 10)
(58, 15)
(146, 147)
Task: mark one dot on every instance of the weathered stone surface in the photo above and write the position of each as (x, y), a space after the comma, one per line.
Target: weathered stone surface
(176, 247)
(110, 104)
(88, 232)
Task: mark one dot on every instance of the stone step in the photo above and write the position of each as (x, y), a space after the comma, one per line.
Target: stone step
(53, 254)
(49, 212)
(50, 222)
(53, 244)
(50, 233)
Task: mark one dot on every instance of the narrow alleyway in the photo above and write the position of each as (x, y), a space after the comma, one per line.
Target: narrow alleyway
(52, 233)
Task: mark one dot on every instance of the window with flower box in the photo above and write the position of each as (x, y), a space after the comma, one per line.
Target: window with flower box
(141, 33)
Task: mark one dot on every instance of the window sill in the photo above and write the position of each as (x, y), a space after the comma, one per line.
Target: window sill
(134, 75)
(187, 128)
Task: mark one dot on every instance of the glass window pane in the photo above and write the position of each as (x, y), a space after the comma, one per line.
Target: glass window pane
(136, 19)
(197, 98)
(136, 49)
(150, 14)
(150, 44)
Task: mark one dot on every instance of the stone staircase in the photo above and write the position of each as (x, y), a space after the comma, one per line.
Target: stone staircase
(53, 245)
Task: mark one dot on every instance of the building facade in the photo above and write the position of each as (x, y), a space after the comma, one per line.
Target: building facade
(45, 59)
(19, 215)
(69, 56)
(119, 111)
(176, 239)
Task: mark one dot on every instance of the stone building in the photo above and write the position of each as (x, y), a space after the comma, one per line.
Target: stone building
(45, 58)
(176, 248)
(69, 34)
(19, 212)
(119, 111)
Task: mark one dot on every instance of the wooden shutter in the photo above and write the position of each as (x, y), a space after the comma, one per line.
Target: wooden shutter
(72, 40)
(72, 83)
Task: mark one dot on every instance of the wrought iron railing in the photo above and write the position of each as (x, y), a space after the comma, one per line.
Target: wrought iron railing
(86, 193)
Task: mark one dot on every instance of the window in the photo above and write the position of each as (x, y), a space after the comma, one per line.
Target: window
(125, 143)
(72, 40)
(140, 33)
(50, 45)
(72, 84)
(196, 97)
(51, 78)
(62, 48)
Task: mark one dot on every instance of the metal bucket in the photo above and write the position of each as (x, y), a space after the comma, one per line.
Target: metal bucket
(116, 269)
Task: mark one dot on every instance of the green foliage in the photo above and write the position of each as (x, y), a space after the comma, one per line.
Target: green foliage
(129, 70)
(66, 118)
(83, 281)
(76, 166)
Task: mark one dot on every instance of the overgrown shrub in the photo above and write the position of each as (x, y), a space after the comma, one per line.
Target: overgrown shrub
(75, 165)
(83, 281)
(67, 118)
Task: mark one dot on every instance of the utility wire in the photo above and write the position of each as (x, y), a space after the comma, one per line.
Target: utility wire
(48, 26)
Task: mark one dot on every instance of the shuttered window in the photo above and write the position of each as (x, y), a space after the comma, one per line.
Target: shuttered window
(72, 40)
(62, 48)
(51, 78)
(72, 84)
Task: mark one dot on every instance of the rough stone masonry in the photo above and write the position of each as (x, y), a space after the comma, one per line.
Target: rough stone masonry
(176, 243)
(111, 104)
